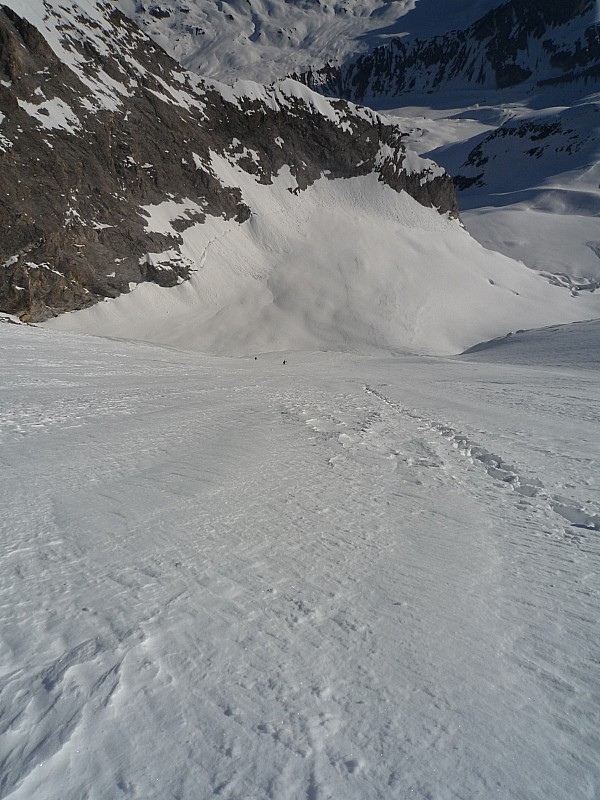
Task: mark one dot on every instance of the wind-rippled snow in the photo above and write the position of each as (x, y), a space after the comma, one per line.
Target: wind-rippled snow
(345, 577)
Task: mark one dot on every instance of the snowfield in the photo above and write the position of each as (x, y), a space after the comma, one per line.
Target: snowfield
(347, 577)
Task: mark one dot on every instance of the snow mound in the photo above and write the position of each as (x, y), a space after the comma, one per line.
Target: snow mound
(576, 345)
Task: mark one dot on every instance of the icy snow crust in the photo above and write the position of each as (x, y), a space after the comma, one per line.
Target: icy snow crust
(347, 577)
(347, 264)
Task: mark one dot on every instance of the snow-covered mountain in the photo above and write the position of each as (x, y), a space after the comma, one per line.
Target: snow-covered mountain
(544, 208)
(271, 217)
(433, 55)
(99, 127)
(260, 39)
(538, 43)
(509, 105)
(269, 39)
(347, 265)
(373, 49)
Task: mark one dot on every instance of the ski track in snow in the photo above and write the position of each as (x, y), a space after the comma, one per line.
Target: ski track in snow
(498, 469)
(228, 578)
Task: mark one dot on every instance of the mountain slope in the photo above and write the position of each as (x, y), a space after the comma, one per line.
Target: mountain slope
(351, 578)
(271, 217)
(509, 106)
(97, 122)
(539, 43)
(435, 55)
(347, 265)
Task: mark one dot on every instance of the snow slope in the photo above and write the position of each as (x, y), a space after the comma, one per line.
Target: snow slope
(347, 577)
(347, 264)
(559, 345)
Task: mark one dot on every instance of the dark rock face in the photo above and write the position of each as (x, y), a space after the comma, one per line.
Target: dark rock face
(519, 41)
(85, 145)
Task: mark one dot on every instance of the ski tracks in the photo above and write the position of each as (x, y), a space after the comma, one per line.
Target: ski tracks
(523, 484)
(248, 582)
(480, 581)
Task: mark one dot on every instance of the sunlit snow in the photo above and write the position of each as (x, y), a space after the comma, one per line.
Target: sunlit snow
(345, 577)
(347, 265)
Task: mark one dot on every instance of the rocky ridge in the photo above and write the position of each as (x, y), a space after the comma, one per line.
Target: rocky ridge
(98, 123)
(536, 42)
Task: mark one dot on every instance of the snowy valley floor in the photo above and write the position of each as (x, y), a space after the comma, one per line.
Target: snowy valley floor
(347, 577)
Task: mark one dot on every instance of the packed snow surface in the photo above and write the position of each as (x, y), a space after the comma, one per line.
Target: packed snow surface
(343, 577)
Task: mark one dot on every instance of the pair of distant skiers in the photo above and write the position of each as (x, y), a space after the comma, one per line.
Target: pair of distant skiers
(256, 359)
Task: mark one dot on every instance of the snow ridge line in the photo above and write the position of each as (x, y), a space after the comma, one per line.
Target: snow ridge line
(498, 469)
